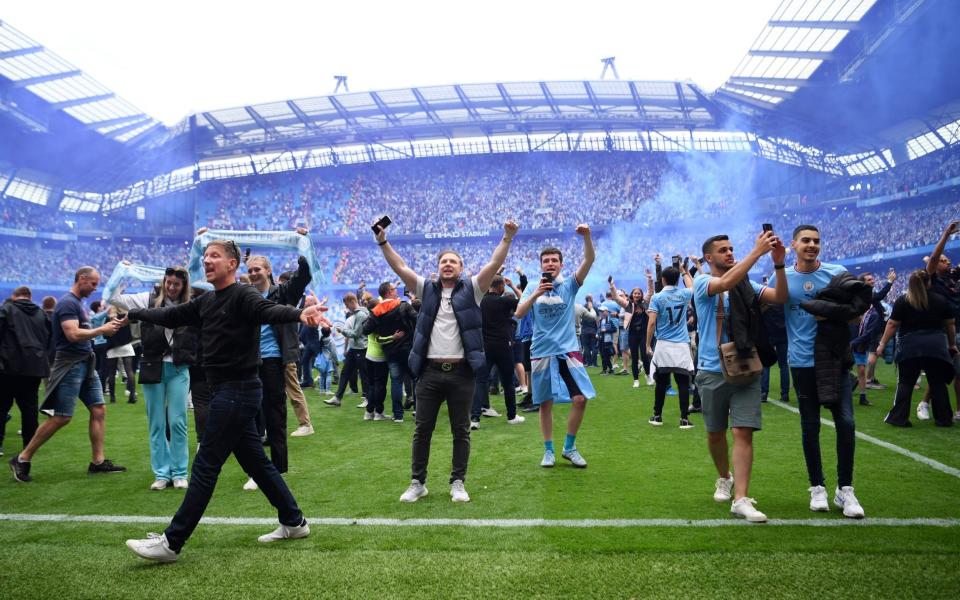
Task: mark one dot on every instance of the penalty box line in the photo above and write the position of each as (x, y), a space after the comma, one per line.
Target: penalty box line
(933, 464)
(494, 523)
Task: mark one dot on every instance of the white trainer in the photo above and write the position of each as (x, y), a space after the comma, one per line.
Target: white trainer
(302, 431)
(649, 379)
(549, 459)
(363, 404)
(458, 493)
(155, 547)
(636, 383)
(845, 498)
(416, 491)
(818, 499)
(180, 484)
(285, 532)
(516, 420)
(489, 412)
(724, 486)
(923, 411)
(744, 508)
(250, 485)
(474, 425)
(368, 416)
(159, 484)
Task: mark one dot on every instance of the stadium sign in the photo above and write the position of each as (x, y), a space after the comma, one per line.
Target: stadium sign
(457, 234)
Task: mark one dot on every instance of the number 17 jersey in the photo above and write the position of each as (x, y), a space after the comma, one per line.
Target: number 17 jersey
(671, 305)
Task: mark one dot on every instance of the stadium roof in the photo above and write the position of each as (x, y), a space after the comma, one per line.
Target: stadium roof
(36, 84)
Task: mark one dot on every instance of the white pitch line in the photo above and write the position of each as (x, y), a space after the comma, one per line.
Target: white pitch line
(496, 523)
(939, 466)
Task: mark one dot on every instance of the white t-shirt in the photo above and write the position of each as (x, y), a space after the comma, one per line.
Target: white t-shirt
(445, 339)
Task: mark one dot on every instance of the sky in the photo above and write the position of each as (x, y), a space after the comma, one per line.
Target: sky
(175, 58)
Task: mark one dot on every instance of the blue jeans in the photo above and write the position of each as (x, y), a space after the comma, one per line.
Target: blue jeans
(781, 348)
(309, 354)
(398, 370)
(167, 409)
(230, 429)
(805, 384)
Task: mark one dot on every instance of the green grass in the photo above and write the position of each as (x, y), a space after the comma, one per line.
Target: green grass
(352, 468)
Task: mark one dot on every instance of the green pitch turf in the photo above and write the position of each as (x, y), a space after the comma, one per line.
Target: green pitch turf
(357, 469)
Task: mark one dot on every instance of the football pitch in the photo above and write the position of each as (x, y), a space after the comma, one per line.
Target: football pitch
(639, 522)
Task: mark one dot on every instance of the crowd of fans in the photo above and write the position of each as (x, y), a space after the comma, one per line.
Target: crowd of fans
(27, 216)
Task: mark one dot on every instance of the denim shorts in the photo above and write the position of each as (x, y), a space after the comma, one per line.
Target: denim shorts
(623, 343)
(860, 358)
(77, 383)
(727, 404)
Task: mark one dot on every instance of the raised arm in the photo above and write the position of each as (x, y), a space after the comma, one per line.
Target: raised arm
(489, 270)
(292, 290)
(399, 266)
(938, 250)
(780, 293)
(615, 294)
(589, 253)
(729, 280)
(170, 317)
(524, 307)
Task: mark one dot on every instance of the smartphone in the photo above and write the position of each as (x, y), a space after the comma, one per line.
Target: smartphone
(609, 278)
(381, 223)
(548, 277)
(676, 261)
(686, 262)
(768, 227)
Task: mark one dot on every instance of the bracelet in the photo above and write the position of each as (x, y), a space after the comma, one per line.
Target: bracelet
(779, 266)
(382, 243)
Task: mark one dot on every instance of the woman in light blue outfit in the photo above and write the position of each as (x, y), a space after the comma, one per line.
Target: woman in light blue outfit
(165, 378)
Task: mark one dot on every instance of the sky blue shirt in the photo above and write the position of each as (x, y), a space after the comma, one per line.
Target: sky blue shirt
(801, 325)
(706, 305)
(553, 327)
(671, 304)
(269, 348)
(611, 306)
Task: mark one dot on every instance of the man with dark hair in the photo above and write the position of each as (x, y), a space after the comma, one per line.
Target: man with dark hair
(354, 356)
(668, 319)
(497, 309)
(805, 278)
(229, 319)
(73, 375)
(727, 404)
(557, 373)
(24, 339)
(393, 322)
(447, 353)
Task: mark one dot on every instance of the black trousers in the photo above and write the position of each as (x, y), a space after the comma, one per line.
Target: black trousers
(272, 371)
(377, 373)
(434, 387)
(638, 352)
(501, 357)
(909, 372)
(23, 391)
(200, 395)
(660, 392)
(354, 363)
(111, 369)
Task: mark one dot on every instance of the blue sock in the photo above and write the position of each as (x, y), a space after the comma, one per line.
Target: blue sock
(569, 443)
(548, 445)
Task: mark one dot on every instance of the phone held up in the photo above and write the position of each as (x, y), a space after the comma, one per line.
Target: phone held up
(768, 227)
(382, 223)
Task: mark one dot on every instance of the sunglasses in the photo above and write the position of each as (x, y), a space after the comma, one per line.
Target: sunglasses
(176, 272)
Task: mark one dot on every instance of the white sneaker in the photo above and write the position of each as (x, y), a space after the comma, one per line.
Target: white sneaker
(250, 485)
(521, 389)
(489, 412)
(845, 498)
(636, 383)
(332, 401)
(155, 547)
(160, 484)
(744, 508)
(722, 494)
(516, 420)
(818, 499)
(549, 459)
(474, 425)
(303, 430)
(458, 493)
(285, 532)
(650, 380)
(180, 484)
(923, 411)
(363, 404)
(367, 416)
(416, 491)
(381, 417)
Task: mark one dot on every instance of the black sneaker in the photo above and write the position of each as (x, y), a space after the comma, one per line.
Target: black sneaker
(656, 420)
(865, 402)
(763, 397)
(686, 424)
(106, 466)
(695, 409)
(532, 408)
(21, 470)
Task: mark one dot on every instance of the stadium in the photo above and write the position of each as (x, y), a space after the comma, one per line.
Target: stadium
(842, 114)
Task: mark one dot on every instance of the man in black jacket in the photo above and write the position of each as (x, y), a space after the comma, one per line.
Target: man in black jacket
(24, 339)
(229, 319)
(279, 346)
(393, 321)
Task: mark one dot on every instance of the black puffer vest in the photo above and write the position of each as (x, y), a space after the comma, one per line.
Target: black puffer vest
(469, 320)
